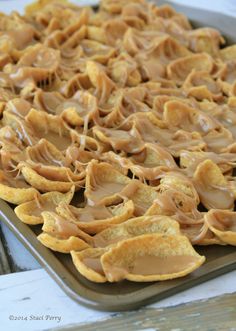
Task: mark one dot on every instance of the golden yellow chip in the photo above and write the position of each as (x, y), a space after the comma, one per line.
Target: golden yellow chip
(93, 219)
(62, 235)
(200, 234)
(212, 186)
(62, 245)
(180, 183)
(223, 224)
(62, 227)
(30, 212)
(100, 80)
(80, 109)
(88, 263)
(151, 162)
(136, 227)
(179, 69)
(47, 185)
(179, 114)
(103, 183)
(15, 190)
(50, 127)
(228, 53)
(151, 257)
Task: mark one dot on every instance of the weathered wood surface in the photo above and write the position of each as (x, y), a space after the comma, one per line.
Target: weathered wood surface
(216, 314)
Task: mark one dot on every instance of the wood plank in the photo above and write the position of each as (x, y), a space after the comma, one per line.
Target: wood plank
(35, 293)
(206, 315)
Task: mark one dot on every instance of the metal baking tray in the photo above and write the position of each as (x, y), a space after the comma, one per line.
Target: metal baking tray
(127, 295)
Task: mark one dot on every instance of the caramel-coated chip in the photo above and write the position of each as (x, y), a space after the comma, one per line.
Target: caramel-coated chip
(30, 212)
(212, 186)
(103, 183)
(151, 257)
(93, 219)
(15, 190)
(61, 234)
(62, 245)
(44, 184)
(223, 224)
(136, 227)
(88, 263)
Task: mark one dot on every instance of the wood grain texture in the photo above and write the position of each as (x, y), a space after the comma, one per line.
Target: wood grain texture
(217, 313)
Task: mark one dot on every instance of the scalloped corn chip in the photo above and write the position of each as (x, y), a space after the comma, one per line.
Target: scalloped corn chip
(151, 257)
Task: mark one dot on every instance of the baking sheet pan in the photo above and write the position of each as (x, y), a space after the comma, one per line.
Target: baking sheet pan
(127, 295)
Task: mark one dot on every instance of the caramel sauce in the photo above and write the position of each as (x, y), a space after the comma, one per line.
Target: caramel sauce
(155, 265)
(133, 86)
(94, 264)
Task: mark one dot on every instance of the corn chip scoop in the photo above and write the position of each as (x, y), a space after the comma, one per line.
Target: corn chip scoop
(100, 80)
(11, 150)
(136, 227)
(68, 46)
(60, 15)
(173, 140)
(103, 183)
(136, 40)
(44, 184)
(45, 168)
(226, 78)
(38, 66)
(96, 51)
(80, 109)
(106, 185)
(149, 164)
(18, 106)
(166, 50)
(201, 85)
(223, 224)
(178, 114)
(200, 234)
(30, 212)
(179, 69)
(78, 81)
(62, 235)
(23, 130)
(167, 12)
(115, 8)
(153, 157)
(141, 194)
(206, 40)
(190, 160)
(151, 257)
(212, 186)
(177, 205)
(217, 140)
(124, 71)
(48, 101)
(88, 263)
(15, 190)
(51, 128)
(76, 111)
(128, 141)
(93, 219)
(179, 182)
(49, 162)
(119, 161)
(227, 53)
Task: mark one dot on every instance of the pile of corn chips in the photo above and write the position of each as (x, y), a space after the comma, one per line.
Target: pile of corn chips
(118, 135)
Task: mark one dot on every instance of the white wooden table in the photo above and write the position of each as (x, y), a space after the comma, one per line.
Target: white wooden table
(31, 300)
